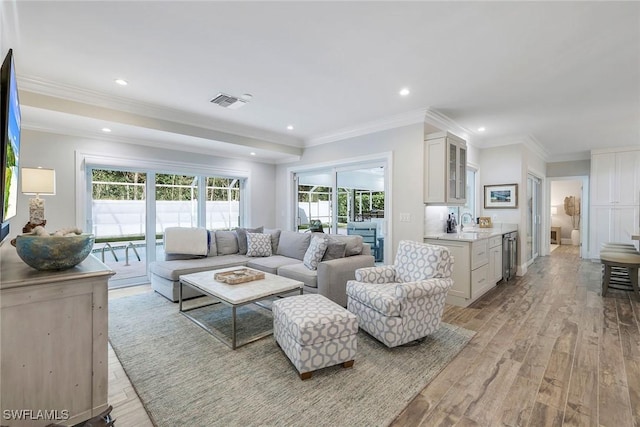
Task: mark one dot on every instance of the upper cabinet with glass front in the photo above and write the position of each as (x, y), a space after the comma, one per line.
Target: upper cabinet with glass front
(445, 174)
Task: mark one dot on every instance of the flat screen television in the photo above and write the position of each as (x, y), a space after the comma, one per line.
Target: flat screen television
(10, 134)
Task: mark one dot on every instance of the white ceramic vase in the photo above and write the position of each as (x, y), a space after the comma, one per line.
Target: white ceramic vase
(575, 237)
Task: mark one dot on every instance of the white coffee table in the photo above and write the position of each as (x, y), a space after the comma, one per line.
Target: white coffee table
(235, 296)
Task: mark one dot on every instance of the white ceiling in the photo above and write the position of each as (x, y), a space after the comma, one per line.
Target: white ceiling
(563, 74)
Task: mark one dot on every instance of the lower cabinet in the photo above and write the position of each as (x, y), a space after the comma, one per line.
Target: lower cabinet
(495, 259)
(54, 343)
(472, 269)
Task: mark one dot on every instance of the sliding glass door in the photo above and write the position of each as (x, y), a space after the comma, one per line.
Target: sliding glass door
(346, 200)
(130, 209)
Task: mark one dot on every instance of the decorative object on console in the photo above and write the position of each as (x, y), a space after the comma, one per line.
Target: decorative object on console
(61, 250)
(503, 196)
(37, 181)
(485, 222)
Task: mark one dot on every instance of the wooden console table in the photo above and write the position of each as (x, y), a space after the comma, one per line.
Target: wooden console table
(54, 341)
(556, 235)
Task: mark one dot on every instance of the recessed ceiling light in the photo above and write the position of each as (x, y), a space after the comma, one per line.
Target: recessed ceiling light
(252, 153)
(106, 130)
(121, 82)
(404, 91)
(481, 129)
(290, 127)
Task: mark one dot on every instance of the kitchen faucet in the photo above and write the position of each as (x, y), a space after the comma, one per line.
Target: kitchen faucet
(462, 216)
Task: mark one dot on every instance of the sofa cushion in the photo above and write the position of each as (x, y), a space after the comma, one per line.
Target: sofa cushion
(299, 272)
(293, 244)
(275, 238)
(379, 296)
(226, 242)
(315, 252)
(258, 245)
(242, 237)
(271, 264)
(172, 270)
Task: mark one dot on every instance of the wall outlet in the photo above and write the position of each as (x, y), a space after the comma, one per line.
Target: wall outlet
(405, 217)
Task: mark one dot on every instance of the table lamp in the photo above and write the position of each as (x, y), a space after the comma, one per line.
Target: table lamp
(38, 181)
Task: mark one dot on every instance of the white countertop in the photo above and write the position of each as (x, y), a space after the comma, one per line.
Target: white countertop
(473, 234)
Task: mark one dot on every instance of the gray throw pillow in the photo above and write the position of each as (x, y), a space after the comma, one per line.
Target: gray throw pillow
(226, 242)
(275, 238)
(335, 250)
(315, 252)
(242, 237)
(258, 244)
(293, 244)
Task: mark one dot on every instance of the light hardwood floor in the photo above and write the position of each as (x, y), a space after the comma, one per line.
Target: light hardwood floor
(548, 350)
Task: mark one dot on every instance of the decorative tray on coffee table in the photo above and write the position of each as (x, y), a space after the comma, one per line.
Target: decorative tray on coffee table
(241, 275)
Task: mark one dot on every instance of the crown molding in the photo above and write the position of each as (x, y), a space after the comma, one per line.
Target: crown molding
(528, 141)
(85, 96)
(392, 122)
(445, 123)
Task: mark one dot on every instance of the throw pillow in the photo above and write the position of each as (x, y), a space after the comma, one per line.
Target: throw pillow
(335, 250)
(226, 242)
(315, 252)
(275, 238)
(258, 244)
(242, 237)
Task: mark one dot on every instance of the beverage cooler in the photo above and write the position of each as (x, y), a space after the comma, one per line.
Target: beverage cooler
(509, 255)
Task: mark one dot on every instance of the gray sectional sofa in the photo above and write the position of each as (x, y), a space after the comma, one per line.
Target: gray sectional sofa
(344, 255)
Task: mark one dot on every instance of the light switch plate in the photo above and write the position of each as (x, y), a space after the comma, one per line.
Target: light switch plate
(405, 217)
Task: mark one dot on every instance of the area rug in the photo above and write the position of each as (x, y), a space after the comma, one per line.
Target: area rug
(184, 376)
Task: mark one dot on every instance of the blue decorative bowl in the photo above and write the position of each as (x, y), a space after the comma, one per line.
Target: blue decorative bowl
(54, 252)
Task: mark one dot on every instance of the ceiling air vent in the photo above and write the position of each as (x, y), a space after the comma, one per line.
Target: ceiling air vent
(228, 101)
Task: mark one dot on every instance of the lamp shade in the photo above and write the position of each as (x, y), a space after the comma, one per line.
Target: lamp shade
(38, 181)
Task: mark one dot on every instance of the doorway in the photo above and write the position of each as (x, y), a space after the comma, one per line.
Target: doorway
(568, 216)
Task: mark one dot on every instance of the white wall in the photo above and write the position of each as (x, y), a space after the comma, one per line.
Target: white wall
(406, 144)
(502, 165)
(573, 168)
(59, 151)
(560, 190)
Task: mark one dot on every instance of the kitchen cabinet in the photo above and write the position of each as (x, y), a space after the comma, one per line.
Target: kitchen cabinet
(495, 259)
(471, 270)
(445, 172)
(54, 340)
(615, 197)
(615, 178)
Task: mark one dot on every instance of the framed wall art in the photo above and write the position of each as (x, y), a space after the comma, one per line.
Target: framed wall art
(501, 196)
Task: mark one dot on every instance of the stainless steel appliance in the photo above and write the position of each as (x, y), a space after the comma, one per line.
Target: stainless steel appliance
(509, 255)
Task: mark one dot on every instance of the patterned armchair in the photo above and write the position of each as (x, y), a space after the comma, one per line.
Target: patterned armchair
(403, 302)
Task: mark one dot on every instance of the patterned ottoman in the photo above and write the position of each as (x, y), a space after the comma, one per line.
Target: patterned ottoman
(314, 332)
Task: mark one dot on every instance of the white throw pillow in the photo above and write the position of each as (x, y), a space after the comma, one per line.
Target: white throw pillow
(315, 252)
(258, 244)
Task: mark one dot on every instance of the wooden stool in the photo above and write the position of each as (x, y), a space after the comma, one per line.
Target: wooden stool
(620, 261)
